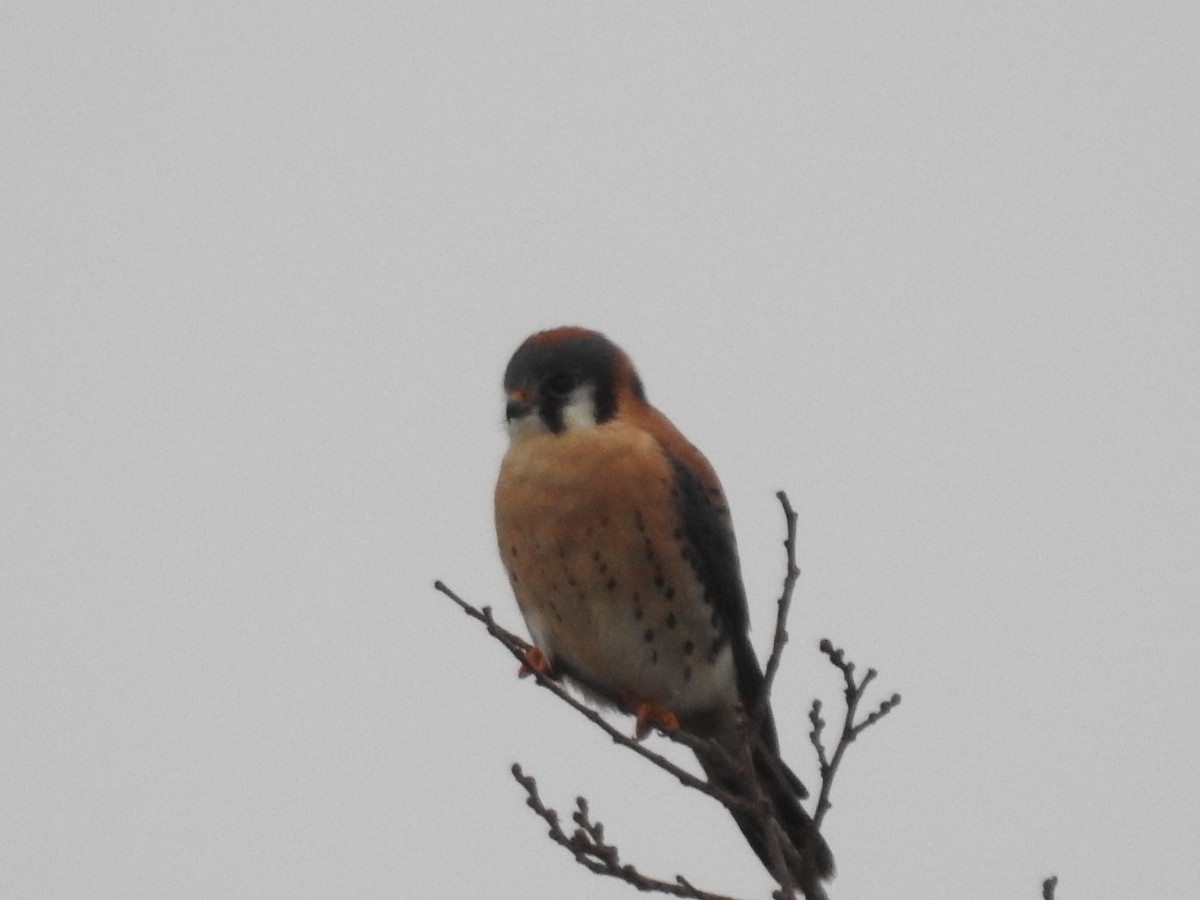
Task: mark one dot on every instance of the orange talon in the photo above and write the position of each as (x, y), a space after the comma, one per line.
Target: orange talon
(535, 661)
(652, 715)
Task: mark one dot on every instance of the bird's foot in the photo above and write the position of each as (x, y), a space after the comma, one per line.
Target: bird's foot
(652, 715)
(535, 661)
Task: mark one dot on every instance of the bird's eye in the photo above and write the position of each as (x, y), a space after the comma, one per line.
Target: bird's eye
(559, 386)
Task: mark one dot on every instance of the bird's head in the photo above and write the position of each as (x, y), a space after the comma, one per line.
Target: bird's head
(567, 379)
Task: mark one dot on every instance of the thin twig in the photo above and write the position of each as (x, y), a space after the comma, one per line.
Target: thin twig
(596, 854)
(784, 606)
(818, 728)
(850, 729)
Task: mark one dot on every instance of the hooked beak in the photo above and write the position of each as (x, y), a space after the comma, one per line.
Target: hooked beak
(518, 406)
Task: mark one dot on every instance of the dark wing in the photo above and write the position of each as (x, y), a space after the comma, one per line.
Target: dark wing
(708, 528)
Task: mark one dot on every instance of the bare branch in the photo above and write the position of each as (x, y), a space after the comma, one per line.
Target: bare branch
(513, 642)
(784, 606)
(516, 646)
(818, 729)
(590, 849)
(854, 691)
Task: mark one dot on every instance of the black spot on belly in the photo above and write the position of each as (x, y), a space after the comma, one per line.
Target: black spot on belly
(638, 613)
(653, 656)
(671, 620)
(677, 534)
(611, 585)
(669, 593)
(648, 635)
(688, 647)
(513, 549)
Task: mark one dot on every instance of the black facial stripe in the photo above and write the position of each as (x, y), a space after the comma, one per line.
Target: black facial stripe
(551, 412)
(605, 400)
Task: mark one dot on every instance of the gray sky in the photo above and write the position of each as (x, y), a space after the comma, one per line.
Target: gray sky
(931, 268)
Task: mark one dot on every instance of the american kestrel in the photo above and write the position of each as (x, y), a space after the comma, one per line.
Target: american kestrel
(619, 547)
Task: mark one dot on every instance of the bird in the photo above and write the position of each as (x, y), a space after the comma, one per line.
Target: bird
(619, 547)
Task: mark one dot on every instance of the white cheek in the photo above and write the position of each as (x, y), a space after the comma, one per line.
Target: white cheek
(580, 409)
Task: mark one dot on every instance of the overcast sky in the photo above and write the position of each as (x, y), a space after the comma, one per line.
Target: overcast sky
(932, 268)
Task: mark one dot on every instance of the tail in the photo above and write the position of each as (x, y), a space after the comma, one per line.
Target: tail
(812, 861)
